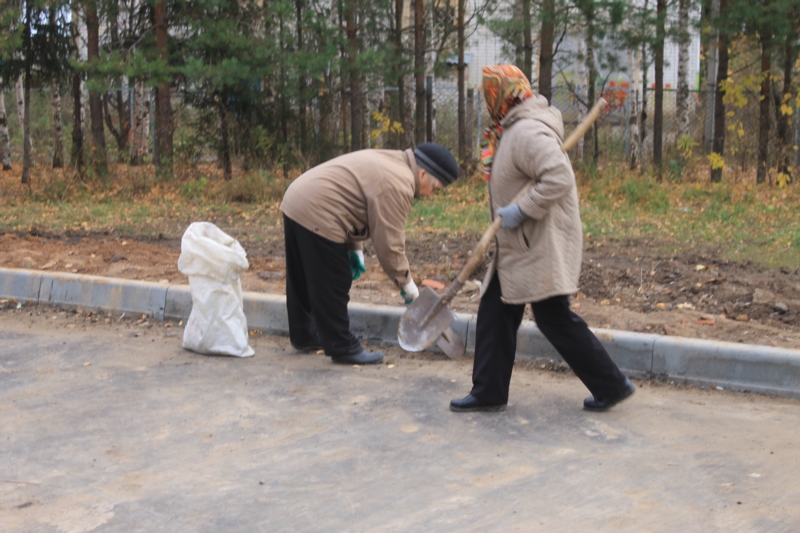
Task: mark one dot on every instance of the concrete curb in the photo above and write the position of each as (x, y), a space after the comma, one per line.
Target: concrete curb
(740, 367)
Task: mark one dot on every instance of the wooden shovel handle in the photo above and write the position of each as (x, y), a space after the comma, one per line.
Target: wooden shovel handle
(480, 248)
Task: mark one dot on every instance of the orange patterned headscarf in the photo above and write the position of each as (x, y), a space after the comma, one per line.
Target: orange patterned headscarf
(504, 86)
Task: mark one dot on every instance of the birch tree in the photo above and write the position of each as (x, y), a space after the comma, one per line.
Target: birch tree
(5, 145)
(682, 97)
(19, 87)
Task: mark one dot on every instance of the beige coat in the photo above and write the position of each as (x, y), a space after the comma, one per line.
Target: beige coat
(357, 196)
(542, 257)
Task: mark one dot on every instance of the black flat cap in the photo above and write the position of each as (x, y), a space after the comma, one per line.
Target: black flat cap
(437, 160)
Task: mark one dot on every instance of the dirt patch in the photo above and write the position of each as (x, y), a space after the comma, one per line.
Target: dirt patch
(624, 285)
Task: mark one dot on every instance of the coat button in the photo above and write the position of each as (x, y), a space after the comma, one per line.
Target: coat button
(316, 229)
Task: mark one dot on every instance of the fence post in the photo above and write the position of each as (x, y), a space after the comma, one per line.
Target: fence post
(429, 109)
(627, 122)
(468, 124)
(478, 121)
(152, 124)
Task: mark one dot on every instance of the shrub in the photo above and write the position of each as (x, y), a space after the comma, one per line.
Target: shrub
(253, 187)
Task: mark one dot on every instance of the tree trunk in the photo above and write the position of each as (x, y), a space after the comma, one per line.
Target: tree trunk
(98, 158)
(121, 134)
(644, 156)
(163, 149)
(718, 146)
(590, 140)
(225, 149)
(527, 43)
(343, 73)
(136, 139)
(763, 108)
(462, 110)
(301, 79)
(27, 154)
(581, 80)
(26, 134)
(419, 70)
(546, 50)
(77, 124)
(633, 105)
(356, 98)
(5, 144)
(405, 136)
(684, 40)
(658, 111)
(711, 80)
(76, 153)
(27, 151)
(784, 98)
(55, 111)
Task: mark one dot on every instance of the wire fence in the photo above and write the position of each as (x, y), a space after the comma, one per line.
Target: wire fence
(618, 128)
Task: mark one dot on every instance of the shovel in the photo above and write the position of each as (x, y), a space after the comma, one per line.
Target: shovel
(427, 320)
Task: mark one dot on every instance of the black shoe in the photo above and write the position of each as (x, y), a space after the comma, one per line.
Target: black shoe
(471, 404)
(308, 348)
(604, 404)
(363, 358)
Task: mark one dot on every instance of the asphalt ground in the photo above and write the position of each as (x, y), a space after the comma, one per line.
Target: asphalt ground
(112, 427)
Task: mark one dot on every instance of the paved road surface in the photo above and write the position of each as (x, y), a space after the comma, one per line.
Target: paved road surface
(112, 427)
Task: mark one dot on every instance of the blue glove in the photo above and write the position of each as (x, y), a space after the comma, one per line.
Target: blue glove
(356, 263)
(512, 216)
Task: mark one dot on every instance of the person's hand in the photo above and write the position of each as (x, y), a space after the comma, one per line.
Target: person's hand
(410, 292)
(512, 216)
(356, 263)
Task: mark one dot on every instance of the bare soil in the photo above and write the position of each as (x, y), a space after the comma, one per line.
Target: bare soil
(629, 285)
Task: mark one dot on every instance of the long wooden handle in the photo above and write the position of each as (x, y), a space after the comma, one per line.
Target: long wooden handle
(480, 248)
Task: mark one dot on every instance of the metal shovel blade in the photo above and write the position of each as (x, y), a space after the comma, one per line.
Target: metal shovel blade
(424, 322)
(451, 344)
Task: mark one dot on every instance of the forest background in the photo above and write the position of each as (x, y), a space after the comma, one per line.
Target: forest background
(218, 104)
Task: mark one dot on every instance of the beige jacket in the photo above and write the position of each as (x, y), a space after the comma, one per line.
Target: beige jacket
(542, 257)
(357, 196)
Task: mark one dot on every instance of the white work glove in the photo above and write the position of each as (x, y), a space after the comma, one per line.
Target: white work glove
(410, 292)
(512, 216)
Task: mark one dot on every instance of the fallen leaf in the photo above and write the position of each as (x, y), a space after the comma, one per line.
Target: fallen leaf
(433, 284)
(87, 363)
(706, 322)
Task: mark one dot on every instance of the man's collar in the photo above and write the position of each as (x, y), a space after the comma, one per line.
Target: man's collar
(412, 163)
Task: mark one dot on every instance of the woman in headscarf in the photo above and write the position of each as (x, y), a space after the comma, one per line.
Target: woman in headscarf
(538, 250)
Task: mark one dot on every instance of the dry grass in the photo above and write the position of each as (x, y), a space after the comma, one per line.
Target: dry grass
(737, 218)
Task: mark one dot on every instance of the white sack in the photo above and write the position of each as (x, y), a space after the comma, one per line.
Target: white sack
(213, 261)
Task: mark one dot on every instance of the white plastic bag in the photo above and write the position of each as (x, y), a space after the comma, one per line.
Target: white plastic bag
(213, 261)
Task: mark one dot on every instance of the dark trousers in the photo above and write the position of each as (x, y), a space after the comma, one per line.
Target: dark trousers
(496, 346)
(318, 281)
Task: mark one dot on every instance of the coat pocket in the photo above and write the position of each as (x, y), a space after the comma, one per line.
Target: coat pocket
(356, 235)
(525, 233)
